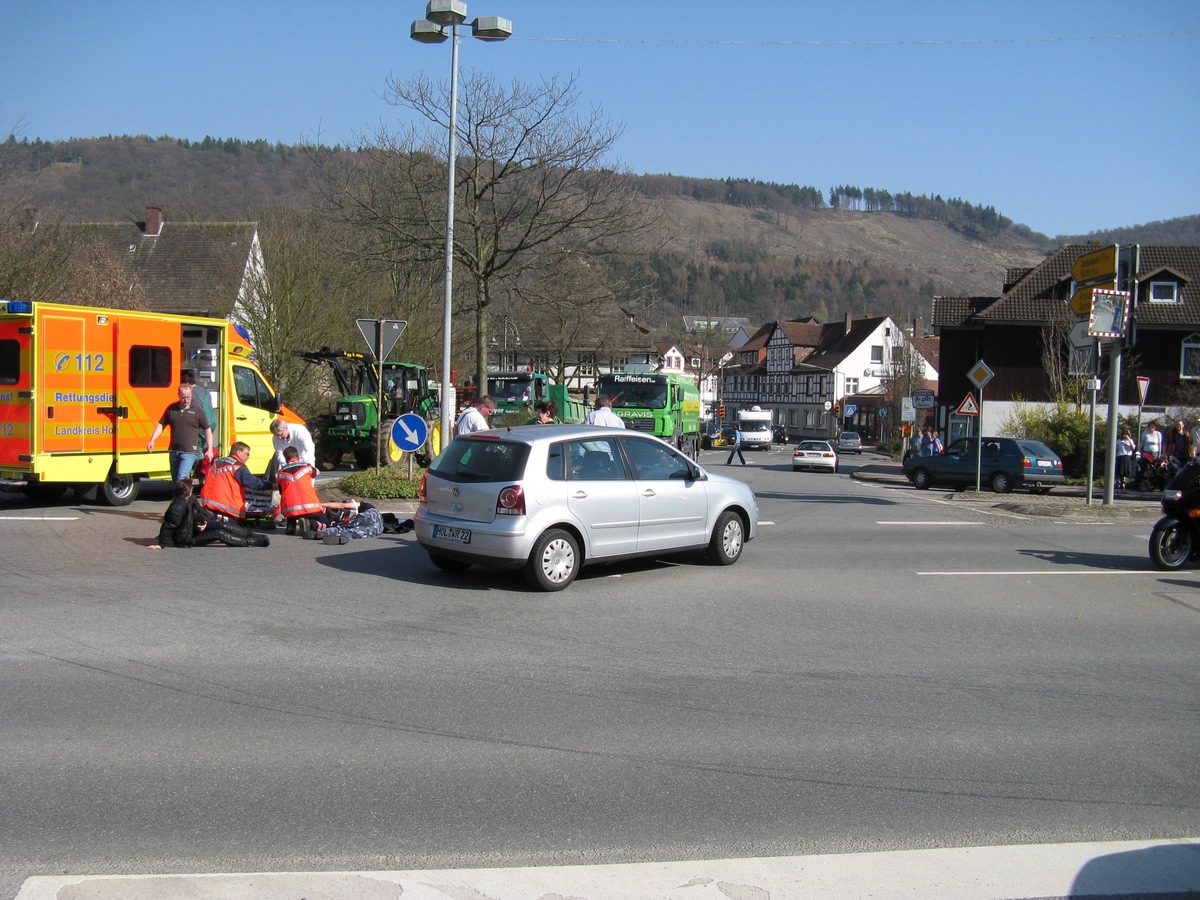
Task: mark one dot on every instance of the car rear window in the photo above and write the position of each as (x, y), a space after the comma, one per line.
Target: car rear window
(482, 460)
(1036, 449)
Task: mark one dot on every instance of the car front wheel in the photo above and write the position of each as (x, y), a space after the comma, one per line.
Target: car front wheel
(554, 561)
(728, 539)
(921, 480)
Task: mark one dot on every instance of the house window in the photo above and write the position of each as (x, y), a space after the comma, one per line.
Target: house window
(877, 353)
(1164, 292)
(851, 386)
(1189, 363)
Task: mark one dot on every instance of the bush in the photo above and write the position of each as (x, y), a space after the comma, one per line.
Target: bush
(1061, 426)
(389, 484)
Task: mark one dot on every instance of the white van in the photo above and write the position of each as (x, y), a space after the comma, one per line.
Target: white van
(755, 424)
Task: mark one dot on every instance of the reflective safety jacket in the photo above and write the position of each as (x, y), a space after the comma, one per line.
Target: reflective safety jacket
(298, 494)
(222, 491)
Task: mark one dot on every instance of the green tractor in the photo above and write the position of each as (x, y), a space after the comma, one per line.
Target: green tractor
(354, 424)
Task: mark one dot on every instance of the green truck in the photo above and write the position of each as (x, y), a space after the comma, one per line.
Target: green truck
(666, 405)
(353, 424)
(517, 392)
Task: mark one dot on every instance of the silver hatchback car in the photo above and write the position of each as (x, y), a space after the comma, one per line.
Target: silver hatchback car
(553, 498)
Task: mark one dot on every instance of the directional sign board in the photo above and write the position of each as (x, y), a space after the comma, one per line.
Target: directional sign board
(409, 432)
(381, 334)
(1081, 300)
(1099, 265)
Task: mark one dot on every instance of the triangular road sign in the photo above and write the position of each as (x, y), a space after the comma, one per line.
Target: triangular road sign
(968, 407)
(385, 331)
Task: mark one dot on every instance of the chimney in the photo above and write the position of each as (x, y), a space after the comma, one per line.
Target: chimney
(919, 327)
(154, 221)
(849, 322)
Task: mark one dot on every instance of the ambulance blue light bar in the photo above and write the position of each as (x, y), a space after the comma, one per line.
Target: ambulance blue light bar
(17, 307)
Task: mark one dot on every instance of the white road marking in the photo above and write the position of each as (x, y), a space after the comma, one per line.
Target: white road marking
(1163, 866)
(1057, 572)
(928, 523)
(38, 518)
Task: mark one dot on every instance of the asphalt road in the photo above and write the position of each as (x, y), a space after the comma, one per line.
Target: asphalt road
(882, 670)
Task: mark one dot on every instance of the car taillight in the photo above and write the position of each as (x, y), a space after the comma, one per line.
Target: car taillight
(421, 488)
(1026, 462)
(511, 501)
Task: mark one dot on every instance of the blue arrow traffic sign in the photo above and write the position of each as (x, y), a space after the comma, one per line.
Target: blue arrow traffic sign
(409, 432)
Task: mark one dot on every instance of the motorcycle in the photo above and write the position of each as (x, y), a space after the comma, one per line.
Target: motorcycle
(1176, 537)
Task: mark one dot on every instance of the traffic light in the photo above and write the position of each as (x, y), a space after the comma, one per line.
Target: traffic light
(721, 412)
(837, 410)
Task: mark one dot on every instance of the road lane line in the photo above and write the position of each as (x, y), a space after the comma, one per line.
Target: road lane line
(38, 518)
(1070, 572)
(928, 523)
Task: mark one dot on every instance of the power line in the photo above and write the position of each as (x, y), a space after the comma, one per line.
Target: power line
(893, 43)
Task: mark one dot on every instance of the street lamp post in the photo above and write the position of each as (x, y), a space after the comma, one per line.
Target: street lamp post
(442, 18)
(504, 347)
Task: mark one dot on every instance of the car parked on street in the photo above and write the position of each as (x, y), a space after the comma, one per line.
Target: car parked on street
(1004, 464)
(815, 455)
(553, 498)
(849, 442)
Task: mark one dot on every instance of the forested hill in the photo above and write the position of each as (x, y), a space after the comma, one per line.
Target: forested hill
(731, 247)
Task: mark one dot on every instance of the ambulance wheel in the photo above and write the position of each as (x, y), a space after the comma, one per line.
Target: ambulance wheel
(119, 490)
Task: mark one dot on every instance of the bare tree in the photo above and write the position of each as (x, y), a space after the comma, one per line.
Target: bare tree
(904, 373)
(531, 179)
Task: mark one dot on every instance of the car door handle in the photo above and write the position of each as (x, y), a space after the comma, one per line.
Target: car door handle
(649, 492)
(579, 495)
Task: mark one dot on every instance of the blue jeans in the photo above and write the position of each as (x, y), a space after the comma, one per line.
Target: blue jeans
(738, 450)
(182, 464)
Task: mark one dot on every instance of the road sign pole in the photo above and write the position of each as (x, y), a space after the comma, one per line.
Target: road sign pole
(979, 446)
(379, 352)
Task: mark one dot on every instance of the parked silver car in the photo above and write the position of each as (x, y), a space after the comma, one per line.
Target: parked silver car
(553, 498)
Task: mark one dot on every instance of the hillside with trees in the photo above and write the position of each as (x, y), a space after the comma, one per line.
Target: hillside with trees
(717, 247)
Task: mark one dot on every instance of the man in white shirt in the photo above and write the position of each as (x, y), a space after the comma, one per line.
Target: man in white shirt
(603, 414)
(475, 417)
(289, 434)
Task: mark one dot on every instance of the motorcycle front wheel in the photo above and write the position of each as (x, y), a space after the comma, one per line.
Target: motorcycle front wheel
(1171, 543)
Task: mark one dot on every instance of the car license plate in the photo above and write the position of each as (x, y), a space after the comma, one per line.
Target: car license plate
(1046, 463)
(454, 535)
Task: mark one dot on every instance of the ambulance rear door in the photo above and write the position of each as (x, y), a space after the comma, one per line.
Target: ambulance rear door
(16, 404)
(147, 355)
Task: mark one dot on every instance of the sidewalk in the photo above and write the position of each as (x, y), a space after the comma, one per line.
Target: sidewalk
(1067, 500)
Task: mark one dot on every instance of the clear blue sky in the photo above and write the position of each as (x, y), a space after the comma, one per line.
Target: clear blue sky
(999, 103)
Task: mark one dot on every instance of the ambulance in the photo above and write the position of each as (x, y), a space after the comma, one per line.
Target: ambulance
(82, 388)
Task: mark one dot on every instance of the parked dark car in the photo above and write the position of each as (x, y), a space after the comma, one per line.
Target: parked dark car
(712, 431)
(1005, 464)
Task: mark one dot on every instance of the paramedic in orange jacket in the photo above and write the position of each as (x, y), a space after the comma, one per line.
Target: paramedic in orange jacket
(299, 503)
(224, 490)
